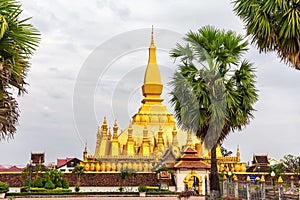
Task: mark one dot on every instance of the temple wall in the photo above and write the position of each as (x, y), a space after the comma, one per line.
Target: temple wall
(91, 179)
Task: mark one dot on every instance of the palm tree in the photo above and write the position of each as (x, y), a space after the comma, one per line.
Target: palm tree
(213, 90)
(78, 170)
(18, 40)
(273, 26)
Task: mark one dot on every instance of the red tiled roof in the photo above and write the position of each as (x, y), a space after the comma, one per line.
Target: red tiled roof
(192, 165)
(190, 150)
(62, 162)
(190, 160)
(11, 169)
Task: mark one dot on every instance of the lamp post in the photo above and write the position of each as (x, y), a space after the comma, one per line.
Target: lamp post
(273, 176)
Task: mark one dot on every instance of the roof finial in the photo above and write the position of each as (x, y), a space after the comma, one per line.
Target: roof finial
(152, 37)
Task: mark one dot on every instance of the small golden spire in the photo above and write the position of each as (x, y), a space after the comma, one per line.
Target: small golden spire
(115, 130)
(152, 37)
(85, 147)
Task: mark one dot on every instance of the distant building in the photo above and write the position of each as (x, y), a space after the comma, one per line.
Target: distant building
(260, 163)
(37, 158)
(11, 169)
(67, 164)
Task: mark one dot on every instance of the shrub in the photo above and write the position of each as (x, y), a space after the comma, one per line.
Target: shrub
(77, 188)
(64, 183)
(27, 182)
(58, 190)
(3, 187)
(38, 182)
(142, 188)
(121, 188)
(49, 185)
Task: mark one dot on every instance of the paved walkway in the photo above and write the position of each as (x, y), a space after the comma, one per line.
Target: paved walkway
(112, 198)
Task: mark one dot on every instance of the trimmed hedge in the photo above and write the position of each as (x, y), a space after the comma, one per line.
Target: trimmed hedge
(44, 190)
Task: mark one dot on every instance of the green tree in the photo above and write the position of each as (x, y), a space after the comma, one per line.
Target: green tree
(213, 90)
(55, 176)
(273, 26)
(225, 152)
(38, 182)
(18, 41)
(291, 163)
(65, 183)
(49, 184)
(78, 170)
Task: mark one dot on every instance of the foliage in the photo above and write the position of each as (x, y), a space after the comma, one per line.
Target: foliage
(142, 188)
(33, 189)
(49, 184)
(213, 89)
(78, 170)
(27, 182)
(77, 188)
(55, 176)
(18, 41)
(278, 169)
(65, 184)
(38, 182)
(291, 163)
(44, 190)
(225, 152)
(273, 26)
(121, 188)
(127, 172)
(4, 187)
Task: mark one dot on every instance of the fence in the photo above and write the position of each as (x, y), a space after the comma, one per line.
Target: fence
(258, 191)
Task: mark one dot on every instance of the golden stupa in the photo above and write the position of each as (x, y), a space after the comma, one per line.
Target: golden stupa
(151, 138)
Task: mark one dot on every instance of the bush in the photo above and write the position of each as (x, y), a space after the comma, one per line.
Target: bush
(49, 185)
(3, 187)
(77, 188)
(38, 182)
(58, 190)
(121, 188)
(142, 188)
(64, 183)
(33, 189)
(27, 182)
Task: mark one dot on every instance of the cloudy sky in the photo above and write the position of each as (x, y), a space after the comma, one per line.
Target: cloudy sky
(91, 61)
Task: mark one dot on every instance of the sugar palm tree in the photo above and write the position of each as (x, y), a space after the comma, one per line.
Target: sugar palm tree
(78, 170)
(213, 89)
(273, 26)
(18, 40)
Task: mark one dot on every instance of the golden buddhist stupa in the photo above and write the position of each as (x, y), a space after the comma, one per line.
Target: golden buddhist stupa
(152, 138)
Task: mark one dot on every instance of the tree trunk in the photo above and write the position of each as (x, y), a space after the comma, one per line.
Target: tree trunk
(214, 176)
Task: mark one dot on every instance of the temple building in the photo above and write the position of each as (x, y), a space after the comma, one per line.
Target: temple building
(152, 138)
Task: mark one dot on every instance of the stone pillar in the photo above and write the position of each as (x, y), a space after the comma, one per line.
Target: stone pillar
(224, 184)
(292, 183)
(248, 188)
(280, 191)
(206, 189)
(236, 186)
(263, 187)
(280, 188)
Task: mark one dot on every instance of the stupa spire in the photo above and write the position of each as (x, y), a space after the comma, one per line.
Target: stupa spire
(152, 88)
(152, 37)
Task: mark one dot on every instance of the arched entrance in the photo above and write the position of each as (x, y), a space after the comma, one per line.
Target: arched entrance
(193, 182)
